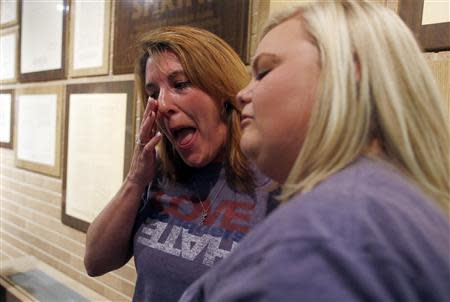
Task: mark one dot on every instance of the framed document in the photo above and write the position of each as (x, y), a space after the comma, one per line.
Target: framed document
(37, 140)
(226, 18)
(430, 22)
(98, 148)
(43, 40)
(89, 38)
(8, 55)
(9, 13)
(6, 118)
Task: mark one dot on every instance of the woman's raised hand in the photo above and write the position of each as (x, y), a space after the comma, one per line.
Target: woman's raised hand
(143, 163)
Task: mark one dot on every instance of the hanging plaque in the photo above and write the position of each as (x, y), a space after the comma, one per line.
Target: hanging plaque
(226, 18)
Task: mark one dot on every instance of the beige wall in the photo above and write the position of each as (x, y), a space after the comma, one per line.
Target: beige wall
(31, 203)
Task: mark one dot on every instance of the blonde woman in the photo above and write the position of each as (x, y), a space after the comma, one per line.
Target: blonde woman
(184, 210)
(344, 113)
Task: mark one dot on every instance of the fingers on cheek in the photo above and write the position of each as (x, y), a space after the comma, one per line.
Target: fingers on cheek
(143, 123)
(152, 143)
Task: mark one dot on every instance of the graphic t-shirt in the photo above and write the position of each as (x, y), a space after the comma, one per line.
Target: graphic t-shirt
(172, 247)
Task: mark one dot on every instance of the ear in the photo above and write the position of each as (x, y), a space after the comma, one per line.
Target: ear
(227, 108)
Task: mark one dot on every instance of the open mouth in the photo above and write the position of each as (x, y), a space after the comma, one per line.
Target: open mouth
(184, 136)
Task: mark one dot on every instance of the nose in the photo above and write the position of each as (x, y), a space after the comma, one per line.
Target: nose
(244, 96)
(166, 104)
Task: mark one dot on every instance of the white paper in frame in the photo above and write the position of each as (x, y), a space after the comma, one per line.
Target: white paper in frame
(37, 140)
(8, 13)
(95, 152)
(99, 142)
(43, 40)
(8, 55)
(89, 38)
(6, 118)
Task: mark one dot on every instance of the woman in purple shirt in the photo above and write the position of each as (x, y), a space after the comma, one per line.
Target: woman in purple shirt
(344, 113)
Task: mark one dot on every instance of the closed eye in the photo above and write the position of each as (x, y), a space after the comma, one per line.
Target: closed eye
(181, 85)
(152, 90)
(262, 74)
(153, 93)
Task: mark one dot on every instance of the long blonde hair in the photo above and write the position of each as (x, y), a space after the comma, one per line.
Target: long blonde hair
(375, 84)
(214, 67)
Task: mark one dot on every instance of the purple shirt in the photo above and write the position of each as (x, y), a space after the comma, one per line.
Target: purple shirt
(364, 234)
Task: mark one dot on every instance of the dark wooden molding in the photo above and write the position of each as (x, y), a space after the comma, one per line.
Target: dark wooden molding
(226, 18)
(431, 37)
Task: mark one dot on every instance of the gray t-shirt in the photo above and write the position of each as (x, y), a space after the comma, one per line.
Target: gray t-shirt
(172, 248)
(364, 234)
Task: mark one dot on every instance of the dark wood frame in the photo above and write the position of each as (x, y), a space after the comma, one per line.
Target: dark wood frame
(235, 26)
(47, 75)
(10, 145)
(432, 37)
(106, 87)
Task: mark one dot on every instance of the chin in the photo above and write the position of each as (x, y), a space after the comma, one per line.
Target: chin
(248, 148)
(195, 162)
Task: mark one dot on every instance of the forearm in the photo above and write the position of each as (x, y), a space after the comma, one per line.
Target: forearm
(109, 237)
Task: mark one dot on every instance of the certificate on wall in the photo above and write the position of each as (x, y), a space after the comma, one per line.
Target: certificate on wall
(9, 13)
(6, 118)
(226, 18)
(38, 129)
(8, 55)
(99, 142)
(42, 47)
(90, 31)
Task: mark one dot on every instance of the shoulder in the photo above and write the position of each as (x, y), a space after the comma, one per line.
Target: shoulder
(367, 206)
(363, 199)
(357, 227)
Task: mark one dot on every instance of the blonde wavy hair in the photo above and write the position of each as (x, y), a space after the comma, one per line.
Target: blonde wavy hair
(214, 67)
(375, 85)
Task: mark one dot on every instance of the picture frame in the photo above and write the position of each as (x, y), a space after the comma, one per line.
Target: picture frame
(9, 43)
(99, 142)
(133, 18)
(9, 13)
(89, 38)
(43, 40)
(432, 37)
(7, 118)
(38, 129)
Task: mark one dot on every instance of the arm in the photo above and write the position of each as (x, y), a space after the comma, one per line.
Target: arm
(109, 237)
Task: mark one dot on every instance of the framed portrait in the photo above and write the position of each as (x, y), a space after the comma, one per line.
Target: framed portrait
(8, 55)
(430, 22)
(43, 40)
(6, 118)
(9, 13)
(227, 18)
(98, 147)
(37, 139)
(89, 38)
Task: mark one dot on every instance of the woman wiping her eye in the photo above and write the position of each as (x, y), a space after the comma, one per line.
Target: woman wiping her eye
(184, 207)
